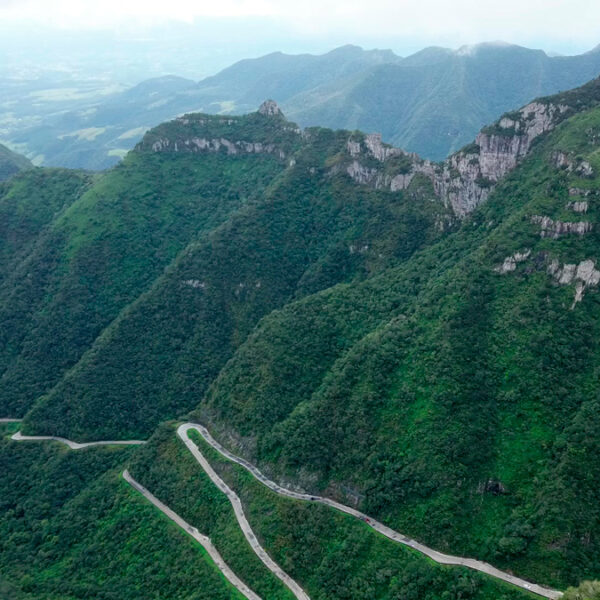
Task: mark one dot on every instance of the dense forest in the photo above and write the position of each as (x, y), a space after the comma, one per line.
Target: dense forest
(362, 342)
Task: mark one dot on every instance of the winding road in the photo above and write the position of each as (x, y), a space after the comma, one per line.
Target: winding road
(239, 514)
(18, 437)
(204, 540)
(439, 557)
(299, 593)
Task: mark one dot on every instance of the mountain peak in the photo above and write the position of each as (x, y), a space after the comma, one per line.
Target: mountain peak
(270, 108)
(471, 49)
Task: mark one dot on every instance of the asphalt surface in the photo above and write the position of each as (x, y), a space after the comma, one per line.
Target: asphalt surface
(439, 557)
(73, 445)
(204, 540)
(240, 516)
(182, 432)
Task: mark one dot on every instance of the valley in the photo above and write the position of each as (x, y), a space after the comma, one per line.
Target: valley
(402, 345)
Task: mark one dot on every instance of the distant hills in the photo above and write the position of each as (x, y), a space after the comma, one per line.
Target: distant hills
(11, 163)
(432, 102)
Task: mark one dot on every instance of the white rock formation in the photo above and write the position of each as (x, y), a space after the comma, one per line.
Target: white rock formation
(510, 262)
(556, 229)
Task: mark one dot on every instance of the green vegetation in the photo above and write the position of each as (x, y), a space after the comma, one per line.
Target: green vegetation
(308, 232)
(167, 468)
(11, 163)
(351, 562)
(588, 590)
(358, 342)
(104, 251)
(29, 204)
(71, 529)
(445, 398)
(433, 102)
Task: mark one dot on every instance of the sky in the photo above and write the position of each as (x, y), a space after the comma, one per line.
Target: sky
(560, 25)
(240, 28)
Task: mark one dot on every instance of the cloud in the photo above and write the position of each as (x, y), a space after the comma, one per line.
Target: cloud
(456, 22)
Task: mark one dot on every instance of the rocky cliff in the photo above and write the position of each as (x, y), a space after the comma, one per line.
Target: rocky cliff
(465, 179)
(462, 182)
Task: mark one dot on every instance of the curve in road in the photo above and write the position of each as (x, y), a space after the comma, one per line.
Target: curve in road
(439, 557)
(18, 437)
(240, 516)
(204, 540)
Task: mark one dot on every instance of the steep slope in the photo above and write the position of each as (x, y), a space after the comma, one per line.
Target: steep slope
(71, 528)
(313, 228)
(11, 163)
(434, 102)
(454, 396)
(29, 204)
(416, 339)
(106, 249)
(345, 208)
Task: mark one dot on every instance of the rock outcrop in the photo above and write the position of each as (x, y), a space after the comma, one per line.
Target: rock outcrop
(197, 144)
(556, 229)
(510, 262)
(462, 182)
(467, 178)
(580, 206)
(562, 160)
(584, 275)
(270, 109)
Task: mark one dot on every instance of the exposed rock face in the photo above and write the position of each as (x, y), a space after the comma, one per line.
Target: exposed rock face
(466, 179)
(555, 229)
(197, 144)
(578, 192)
(580, 206)
(583, 274)
(270, 109)
(492, 486)
(561, 160)
(510, 262)
(462, 182)
(194, 283)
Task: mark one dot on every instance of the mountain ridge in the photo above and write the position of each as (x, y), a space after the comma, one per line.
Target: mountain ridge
(425, 351)
(432, 102)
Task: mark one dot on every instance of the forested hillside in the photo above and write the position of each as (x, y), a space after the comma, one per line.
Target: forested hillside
(11, 163)
(416, 339)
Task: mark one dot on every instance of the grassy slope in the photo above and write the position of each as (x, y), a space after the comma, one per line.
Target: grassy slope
(411, 405)
(71, 528)
(31, 202)
(350, 562)
(106, 249)
(158, 358)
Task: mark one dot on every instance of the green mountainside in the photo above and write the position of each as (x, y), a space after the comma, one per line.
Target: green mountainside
(416, 339)
(11, 163)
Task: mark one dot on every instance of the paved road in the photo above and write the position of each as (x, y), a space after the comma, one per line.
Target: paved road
(439, 557)
(73, 445)
(182, 432)
(4, 420)
(204, 540)
(240, 516)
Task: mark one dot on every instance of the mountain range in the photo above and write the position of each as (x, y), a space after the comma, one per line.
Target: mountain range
(432, 102)
(415, 339)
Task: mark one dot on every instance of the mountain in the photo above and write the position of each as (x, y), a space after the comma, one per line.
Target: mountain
(415, 339)
(11, 163)
(433, 102)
